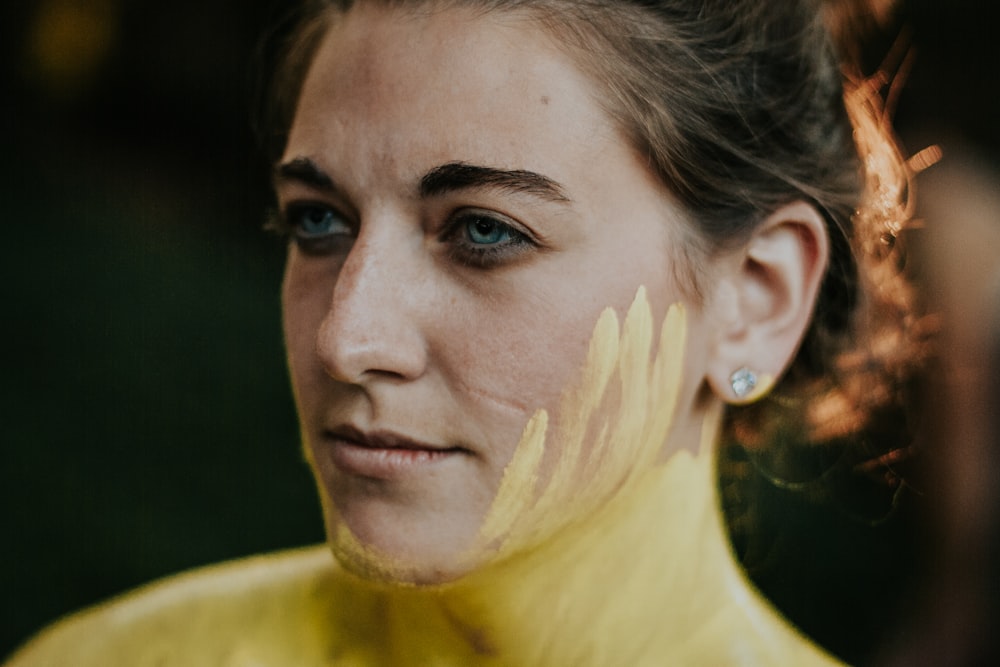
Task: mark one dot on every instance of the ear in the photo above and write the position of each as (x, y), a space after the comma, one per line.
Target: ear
(765, 300)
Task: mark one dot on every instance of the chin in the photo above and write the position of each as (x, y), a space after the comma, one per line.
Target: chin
(389, 554)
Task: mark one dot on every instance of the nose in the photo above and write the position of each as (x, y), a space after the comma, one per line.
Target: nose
(372, 327)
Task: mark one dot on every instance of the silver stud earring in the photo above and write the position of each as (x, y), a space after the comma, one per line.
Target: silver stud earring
(743, 382)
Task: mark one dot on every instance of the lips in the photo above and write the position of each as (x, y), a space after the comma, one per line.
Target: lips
(383, 454)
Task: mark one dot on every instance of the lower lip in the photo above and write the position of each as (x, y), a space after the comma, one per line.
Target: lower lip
(384, 463)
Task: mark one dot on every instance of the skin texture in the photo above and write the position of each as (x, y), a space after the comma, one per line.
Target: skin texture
(390, 328)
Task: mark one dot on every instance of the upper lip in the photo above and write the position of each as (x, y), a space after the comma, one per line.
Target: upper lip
(381, 439)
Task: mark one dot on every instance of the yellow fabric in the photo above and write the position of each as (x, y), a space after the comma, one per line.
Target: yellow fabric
(611, 557)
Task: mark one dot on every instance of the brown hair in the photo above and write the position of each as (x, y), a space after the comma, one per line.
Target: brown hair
(740, 107)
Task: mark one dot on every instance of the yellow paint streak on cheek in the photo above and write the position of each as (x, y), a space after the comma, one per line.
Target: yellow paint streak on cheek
(666, 378)
(518, 483)
(612, 426)
(576, 411)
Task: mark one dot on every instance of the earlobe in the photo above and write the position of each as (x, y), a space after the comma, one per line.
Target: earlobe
(771, 291)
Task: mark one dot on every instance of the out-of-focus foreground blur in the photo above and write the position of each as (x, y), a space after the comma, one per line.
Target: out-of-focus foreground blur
(147, 422)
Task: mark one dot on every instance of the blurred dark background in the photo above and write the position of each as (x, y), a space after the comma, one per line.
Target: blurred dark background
(147, 422)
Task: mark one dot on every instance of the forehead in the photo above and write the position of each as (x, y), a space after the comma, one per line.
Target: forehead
(450, 81)
(399, 50)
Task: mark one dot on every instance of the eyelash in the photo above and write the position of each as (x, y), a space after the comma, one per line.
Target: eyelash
(484, 256)
(290, 223)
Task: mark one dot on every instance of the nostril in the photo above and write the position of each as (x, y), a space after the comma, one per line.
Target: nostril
(355, 347)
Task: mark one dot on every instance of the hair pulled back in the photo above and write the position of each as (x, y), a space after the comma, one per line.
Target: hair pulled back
(739, 107)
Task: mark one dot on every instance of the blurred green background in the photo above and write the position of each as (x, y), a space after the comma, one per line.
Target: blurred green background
(147, 422)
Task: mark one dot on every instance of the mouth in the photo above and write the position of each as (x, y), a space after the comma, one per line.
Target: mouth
(383, 455)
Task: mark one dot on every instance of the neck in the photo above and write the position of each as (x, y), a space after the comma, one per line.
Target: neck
(650, 576)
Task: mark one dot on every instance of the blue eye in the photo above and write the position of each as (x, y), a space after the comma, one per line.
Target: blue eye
(486, 240)
(315, 228)
(487, 231)
(315, 221)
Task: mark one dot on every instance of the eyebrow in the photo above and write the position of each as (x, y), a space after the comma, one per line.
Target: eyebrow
(462, 176)
(303, 170)
(440, 180)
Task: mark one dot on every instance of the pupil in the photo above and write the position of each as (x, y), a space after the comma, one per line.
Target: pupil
(315, 219)
(485, 231)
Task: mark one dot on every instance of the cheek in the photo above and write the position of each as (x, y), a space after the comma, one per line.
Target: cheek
(303, 306)
(517, 355)
(521, 363)
(544, 340)
(505, 357)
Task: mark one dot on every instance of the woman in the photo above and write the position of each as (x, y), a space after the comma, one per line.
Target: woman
(538, 247)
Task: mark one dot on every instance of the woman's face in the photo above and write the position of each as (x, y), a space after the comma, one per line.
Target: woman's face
(463, 210)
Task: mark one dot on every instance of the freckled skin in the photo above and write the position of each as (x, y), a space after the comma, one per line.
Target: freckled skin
(393, 332)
